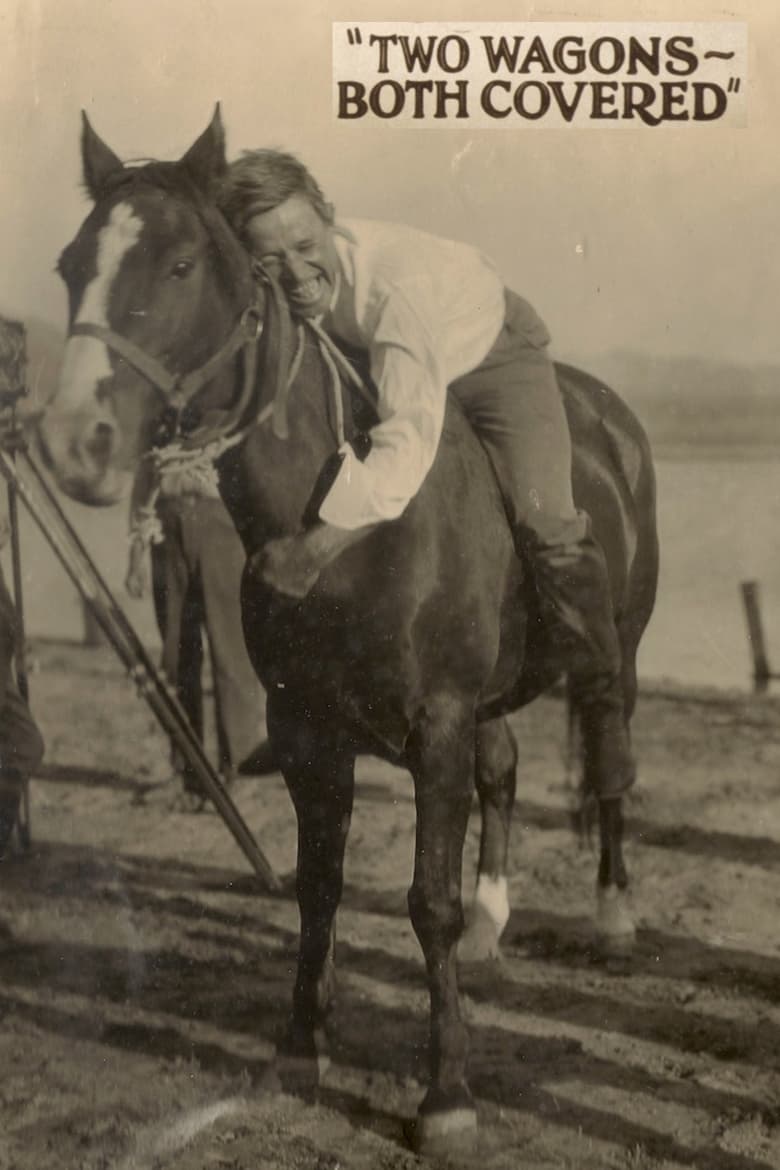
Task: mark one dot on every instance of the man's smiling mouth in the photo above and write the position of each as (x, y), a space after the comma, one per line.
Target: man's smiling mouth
(307, 293)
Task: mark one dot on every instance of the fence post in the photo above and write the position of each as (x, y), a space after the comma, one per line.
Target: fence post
(761, 671)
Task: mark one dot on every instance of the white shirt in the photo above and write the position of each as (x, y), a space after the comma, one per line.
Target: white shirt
(427, 310)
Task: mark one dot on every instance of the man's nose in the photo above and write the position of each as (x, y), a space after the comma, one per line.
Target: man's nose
(295, 268)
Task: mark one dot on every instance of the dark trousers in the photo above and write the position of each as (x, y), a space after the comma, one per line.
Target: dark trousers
(21, 744)
(513, 402)
(196, 576)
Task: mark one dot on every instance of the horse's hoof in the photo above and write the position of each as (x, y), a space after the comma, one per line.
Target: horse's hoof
(301, 1064)
(300, 1075)
(615, 928)
(445, 1131)
(479, 941)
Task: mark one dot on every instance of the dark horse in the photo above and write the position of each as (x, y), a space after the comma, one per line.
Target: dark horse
(415, 642)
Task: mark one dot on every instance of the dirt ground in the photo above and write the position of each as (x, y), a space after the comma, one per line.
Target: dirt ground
(144, 976)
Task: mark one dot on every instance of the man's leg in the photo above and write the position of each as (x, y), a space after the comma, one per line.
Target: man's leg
(21, 745)
(21, 751)
(514, 403)
(237, 691)
(178, 606)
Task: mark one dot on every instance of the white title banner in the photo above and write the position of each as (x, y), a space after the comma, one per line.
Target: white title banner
(526, 74)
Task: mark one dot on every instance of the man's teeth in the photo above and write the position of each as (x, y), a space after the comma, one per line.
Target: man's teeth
(307, 291)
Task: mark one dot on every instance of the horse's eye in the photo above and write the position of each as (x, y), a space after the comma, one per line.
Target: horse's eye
(181, 269)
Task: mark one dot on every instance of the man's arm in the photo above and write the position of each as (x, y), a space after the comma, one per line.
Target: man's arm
(407, 367)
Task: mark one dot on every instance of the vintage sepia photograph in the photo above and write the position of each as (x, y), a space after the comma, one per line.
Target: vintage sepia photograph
(389, 585)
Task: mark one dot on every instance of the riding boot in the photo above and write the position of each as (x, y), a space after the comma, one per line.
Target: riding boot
(575, 608)
(11, 786)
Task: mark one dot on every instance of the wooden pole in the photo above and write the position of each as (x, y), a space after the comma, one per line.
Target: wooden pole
(151, 686)
(24, 821)
(751, 601)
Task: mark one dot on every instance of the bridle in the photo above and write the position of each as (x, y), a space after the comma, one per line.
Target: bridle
(209, 440)
(178, 389)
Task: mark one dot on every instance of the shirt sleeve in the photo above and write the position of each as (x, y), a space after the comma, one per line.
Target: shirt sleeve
(408, 371)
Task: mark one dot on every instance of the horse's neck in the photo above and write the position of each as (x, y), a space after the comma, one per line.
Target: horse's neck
(269, 481)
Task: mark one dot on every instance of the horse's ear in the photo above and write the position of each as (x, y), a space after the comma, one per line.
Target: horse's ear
(205, 160)
(98, 160)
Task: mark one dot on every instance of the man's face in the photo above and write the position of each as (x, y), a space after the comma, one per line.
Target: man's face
(295, 245)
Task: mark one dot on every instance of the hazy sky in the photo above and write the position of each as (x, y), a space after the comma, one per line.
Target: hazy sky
(665, 240)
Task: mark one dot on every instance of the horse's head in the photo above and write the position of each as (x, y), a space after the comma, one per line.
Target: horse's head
(156, 282)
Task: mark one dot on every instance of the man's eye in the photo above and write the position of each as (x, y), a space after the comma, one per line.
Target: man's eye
(181, 269)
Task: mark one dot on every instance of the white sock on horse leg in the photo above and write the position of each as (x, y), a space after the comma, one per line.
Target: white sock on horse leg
(492, 895)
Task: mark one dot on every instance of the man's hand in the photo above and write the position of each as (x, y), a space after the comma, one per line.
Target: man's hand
(137, 579)
(287, 565)
(291, 565)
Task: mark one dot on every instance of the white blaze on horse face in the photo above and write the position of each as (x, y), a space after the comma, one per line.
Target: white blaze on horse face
(86, 360)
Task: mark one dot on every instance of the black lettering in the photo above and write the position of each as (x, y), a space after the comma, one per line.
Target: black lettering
(700, 111)
(638, 96)
(486, 99)
(419, 89)
(673, 95)
(352, 99)
(617, 50)
(604, 94)
(383, 43)
(444, 95)
(395, 89)
(442, 54)
(537, 55)
(568, 109)
(569, 55)
(500, 55)
(415, 53)
(640, 55)
(521, 105)
(678, 49)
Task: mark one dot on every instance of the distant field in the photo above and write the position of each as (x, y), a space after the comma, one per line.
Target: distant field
(697, 402)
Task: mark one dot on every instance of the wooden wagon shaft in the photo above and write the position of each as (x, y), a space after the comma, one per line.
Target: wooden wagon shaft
(112, 619)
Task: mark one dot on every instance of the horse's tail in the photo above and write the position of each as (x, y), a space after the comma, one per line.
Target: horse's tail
(581, 800)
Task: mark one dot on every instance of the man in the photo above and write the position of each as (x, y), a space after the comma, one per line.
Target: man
(197, 561)
(21, 744)
(432, 315)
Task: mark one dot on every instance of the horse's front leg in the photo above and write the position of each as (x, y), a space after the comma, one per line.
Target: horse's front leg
(318, 768)
(441, 759)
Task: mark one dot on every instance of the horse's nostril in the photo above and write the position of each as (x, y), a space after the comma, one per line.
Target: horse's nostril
(101, 442)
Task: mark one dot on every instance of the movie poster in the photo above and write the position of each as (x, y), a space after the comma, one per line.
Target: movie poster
(613, 164)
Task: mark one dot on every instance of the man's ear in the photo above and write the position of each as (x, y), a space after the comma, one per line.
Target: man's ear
(98, 160)
(205, 160)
